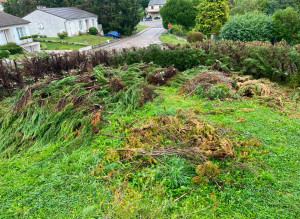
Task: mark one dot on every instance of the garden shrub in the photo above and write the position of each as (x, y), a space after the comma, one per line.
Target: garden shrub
(182, 59)
(177, 30)
(4, 54)
(62, 35)
(13, 48)
(194, 37)
(211, 16)
(248, 27)
(93, 31)
(287, 25)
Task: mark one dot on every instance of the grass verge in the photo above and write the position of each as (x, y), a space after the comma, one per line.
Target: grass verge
(59, 46)
(171, 39)
(86, 39)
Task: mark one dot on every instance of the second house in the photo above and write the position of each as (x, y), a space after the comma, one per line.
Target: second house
(51, 21)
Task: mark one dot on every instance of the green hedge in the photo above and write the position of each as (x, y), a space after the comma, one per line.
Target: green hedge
(13, 48)
(279, 62)
(182, 59)
(4, 54)
(248, 27)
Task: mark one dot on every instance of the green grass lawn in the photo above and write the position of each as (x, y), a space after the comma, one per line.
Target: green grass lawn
(141, 27)
(59, 46)
(172, 39)
(58, 180)
(86, 39)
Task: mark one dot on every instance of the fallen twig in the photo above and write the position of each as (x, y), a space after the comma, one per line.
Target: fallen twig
(176, 200)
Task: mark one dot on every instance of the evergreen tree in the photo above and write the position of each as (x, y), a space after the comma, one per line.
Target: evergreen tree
(211, 16)
(119, 15)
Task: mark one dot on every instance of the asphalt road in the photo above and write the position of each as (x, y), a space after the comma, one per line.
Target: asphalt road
(142, 39)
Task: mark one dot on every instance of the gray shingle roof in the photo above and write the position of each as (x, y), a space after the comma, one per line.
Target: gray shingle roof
(157, 2)
(10, 20)
(68, 13)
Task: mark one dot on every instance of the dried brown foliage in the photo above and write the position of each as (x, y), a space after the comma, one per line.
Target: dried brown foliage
(148, 94)
(206, 81)
(162, 76)
(189, 137)
(116, 85)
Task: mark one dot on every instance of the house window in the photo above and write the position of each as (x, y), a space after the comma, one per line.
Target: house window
(21, 32)
(160, 6)
(80, 25)
(152, 7)
(93, 21)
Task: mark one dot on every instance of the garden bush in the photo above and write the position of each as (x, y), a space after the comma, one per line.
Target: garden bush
(13, 48)
(287, 25)
(177, 30)
(4, 54)
(248, 27)
(62, 35)
(194, 37)
(93, 31)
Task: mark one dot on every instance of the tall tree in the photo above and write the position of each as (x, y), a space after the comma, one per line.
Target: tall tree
(179, 12)
(287, 25)
(211, 16)
(119, 15)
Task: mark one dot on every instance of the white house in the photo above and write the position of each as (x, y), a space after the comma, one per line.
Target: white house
(13, 28)
(1, 4)
(154, 7)
(50, 21)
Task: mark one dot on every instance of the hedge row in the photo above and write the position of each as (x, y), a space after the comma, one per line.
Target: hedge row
(278, 62)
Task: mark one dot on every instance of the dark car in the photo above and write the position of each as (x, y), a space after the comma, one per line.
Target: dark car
(148, 18)
(114, 34)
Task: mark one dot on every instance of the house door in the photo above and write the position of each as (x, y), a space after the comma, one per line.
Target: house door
(87, 25)
(73, 30)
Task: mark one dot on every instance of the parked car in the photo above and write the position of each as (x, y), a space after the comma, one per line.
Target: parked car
(157, 18)
(148, 18)
(114, 34)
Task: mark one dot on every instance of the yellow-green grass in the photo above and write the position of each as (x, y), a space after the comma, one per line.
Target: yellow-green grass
(172, 39)
(85, 39)
(141, 27)
(59, 46)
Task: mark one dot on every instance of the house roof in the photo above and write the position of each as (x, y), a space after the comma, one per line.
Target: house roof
(68, 13)
(10, 20)
(157, 2)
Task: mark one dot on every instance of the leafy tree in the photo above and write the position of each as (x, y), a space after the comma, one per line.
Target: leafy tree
(19, 8)
(246, 6)
(119, 15)
(144, 3)
(287, 25)
(211, 16)
(274, 5)
(180, 12)
(249, 27)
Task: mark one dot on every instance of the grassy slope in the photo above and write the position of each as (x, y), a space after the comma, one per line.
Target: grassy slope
(89, 39)
(58, 46)
(171, 39)
(55, 182)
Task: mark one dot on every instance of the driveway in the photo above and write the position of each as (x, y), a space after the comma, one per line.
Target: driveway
(142, 39)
